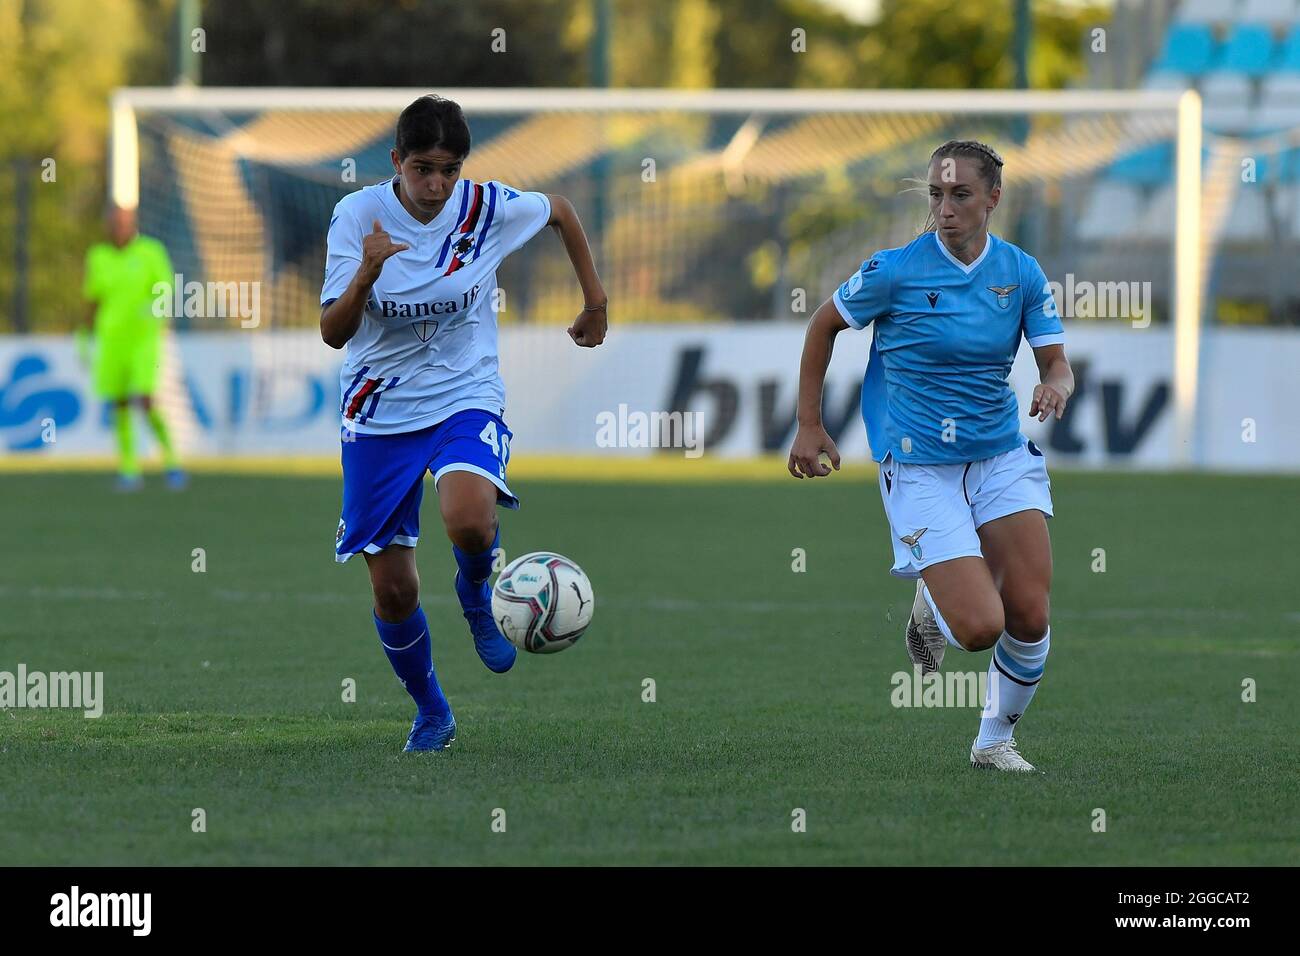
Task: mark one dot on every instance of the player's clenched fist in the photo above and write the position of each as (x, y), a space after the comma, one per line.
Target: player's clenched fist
(376, 249)
(589, 328)
(805, 453)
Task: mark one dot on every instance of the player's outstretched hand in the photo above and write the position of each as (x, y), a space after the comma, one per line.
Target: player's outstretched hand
(805, 453)
(376, 249)
(1047, 401)
(588, 329)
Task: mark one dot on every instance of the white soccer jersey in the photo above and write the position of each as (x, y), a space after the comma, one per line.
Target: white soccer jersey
(427, 344)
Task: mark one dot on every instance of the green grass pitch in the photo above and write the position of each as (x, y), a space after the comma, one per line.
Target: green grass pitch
(223, 689)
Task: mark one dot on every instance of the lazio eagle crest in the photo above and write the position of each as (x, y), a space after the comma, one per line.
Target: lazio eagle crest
(913, 541)
(1003, 292)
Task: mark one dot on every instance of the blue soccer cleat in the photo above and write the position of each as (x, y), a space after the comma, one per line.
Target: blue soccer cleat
(496, 653)
(431, 733)
(128, 483)
(177, 479)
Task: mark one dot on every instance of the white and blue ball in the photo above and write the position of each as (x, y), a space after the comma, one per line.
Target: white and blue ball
(542, 602)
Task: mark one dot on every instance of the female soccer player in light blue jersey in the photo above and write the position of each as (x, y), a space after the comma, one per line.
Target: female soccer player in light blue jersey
(410, 278)
(965, 493)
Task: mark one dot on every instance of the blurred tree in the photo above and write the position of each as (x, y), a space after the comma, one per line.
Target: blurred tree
(759, 46)
(694, 44)
(678, 43)
(392, 43)
(915, 44)
(733, 43)
(955, 44)
(153, 58)
(58, 66)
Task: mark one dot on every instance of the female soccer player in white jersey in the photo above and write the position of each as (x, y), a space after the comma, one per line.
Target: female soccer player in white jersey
(965, 494)
(409, 280)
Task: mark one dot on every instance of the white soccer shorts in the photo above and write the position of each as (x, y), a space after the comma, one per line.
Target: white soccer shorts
(934, 510)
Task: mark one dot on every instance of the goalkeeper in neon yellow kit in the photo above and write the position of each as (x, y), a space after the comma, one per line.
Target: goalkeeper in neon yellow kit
(121, 278)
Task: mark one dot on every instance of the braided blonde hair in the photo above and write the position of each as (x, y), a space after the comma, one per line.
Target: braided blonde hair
(986, 160)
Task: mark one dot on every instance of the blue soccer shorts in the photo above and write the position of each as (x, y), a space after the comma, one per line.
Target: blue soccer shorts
(383, 477)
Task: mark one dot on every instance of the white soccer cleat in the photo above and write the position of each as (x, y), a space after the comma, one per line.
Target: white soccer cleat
(925, 642)
(1000, 756)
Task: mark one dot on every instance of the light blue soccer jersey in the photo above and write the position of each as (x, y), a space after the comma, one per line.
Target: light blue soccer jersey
(945, 336)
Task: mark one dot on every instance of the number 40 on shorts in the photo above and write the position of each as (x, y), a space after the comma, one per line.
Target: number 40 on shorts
(489, 437)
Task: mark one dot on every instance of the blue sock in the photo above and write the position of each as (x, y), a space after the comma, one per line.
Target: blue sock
(475, 569)
(408, 648)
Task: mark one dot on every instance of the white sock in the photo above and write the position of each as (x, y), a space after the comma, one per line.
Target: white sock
(943, 625)
(1014, 673)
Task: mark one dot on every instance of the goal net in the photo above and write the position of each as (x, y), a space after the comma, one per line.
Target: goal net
(701, 207)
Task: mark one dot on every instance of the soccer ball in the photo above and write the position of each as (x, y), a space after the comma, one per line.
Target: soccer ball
(542, 602)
